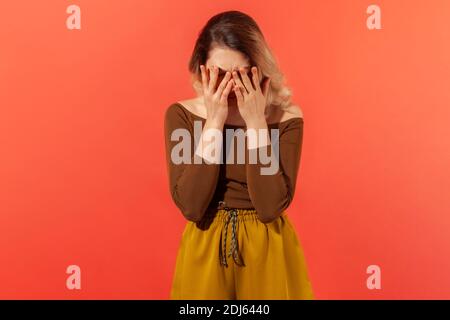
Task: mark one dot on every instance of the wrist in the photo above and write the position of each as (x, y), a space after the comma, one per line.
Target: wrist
(214, 123)
(257, 123)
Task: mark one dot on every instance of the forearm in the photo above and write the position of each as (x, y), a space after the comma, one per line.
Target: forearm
(196, 186)
(272, 169)
(269, 193)
(195, 189)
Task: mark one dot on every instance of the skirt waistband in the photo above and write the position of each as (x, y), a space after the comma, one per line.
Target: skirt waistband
(241, 214)
(229, 216)
(221, 212)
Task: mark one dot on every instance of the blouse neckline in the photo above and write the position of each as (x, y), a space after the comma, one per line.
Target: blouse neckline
(236, 125)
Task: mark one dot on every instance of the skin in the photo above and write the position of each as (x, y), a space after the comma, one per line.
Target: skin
(234, 92)
(226, 59)
(237, 93)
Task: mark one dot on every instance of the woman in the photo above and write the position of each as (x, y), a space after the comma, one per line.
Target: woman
(238, 242)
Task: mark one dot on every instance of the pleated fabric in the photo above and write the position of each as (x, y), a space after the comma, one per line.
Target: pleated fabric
(232, 255)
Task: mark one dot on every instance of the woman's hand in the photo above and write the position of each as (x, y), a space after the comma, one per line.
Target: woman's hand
(251, 98)
(216, 101)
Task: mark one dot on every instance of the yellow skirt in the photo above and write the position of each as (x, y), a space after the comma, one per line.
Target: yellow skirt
(231, 255)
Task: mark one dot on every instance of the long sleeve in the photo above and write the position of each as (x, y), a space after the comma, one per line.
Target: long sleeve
(272, 193)
(192, 185)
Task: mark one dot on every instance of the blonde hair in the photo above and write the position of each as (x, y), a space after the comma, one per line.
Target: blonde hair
(237, 30)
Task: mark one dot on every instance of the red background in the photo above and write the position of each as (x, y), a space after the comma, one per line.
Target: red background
(82, 173)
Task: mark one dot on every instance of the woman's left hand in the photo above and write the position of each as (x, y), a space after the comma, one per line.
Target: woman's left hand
(251, 98)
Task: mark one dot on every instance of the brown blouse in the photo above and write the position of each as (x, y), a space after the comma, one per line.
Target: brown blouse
(195, 188)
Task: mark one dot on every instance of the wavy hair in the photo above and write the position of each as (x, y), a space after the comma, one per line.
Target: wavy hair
(237, 30)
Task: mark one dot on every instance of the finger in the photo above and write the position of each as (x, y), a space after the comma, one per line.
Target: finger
(204, 78)
(213, 80)
(227, 91)
(246, 79)
(239, 83)
(239, 96)
(223, 83)
(266, 87)
(255, 79)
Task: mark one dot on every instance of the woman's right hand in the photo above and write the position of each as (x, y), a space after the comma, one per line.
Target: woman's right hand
(216, 101)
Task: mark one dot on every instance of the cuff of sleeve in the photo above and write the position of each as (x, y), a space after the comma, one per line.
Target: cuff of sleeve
(257, 138)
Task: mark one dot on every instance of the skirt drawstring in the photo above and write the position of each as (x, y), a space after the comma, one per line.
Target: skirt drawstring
(231, 215)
